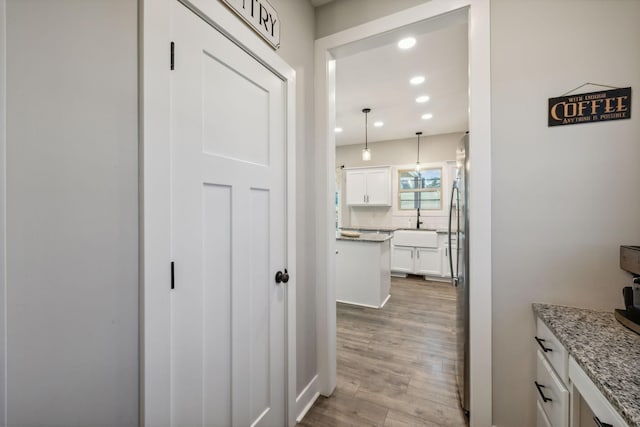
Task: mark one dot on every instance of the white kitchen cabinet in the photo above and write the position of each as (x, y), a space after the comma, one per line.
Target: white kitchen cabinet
(553, 395)
(428, 261)
(402, 259)
(363, 272)
(551, 379)
(416, 252)
(368, 186)
(585, 392)
(449, 252)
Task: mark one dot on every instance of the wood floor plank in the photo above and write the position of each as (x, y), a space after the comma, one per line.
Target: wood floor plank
(395, 365)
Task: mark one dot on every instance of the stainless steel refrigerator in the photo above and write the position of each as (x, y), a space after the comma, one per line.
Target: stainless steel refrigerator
(459, 266)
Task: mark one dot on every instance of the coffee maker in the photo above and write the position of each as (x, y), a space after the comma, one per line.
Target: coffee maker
(630, 262)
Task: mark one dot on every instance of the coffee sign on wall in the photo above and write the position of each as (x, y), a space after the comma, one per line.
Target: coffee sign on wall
(260, 16)
(614, 104)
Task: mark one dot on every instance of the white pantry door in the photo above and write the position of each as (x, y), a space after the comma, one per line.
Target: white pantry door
(228, 137)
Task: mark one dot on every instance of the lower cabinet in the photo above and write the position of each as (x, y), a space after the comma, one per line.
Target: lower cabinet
(428, 261)
(566, 396)
(551, 382)
(414, 260)
(542, 419)
(449, 252)
(588, 406)
(553, 395)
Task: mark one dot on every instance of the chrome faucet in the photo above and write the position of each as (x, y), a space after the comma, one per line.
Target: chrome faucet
(418, 222)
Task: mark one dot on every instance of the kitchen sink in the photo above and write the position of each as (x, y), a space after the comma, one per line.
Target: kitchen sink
(416, 238)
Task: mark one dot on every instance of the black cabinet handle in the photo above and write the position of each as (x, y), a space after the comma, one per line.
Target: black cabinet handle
(544, 398)
(541, 344)
(600, 423)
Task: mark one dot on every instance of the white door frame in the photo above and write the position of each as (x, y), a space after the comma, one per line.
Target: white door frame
(3, 223)
(480, 193)
(155, 228)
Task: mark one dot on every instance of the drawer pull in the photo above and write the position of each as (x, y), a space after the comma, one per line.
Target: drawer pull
(541, 344)
(544, 398)
(600, 423)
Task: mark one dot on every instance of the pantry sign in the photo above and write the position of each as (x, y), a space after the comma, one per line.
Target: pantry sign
(614, 104)
(260, 16)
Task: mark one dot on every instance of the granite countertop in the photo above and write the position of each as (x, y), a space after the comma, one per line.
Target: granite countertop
(384, 228)
(389, 229)
(367, 237)
(608, 353)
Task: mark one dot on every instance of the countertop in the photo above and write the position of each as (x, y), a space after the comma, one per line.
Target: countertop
(608, 353)
(387, 229)
(392, 229)
(367, 237)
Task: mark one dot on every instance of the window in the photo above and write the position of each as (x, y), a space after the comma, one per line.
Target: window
(420, 189)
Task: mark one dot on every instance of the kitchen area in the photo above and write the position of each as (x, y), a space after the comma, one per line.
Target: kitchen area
(400, 161)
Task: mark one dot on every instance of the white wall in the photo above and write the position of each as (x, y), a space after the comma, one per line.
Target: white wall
(72, 213)
(433, 148)
(342, 14)
(564, 198)
(296, 49)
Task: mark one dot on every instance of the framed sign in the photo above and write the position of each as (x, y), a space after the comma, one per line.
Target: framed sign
(602, 106)
(260, 16)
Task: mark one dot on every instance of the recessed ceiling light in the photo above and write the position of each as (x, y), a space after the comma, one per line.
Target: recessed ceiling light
(338, 130)
(417, 80)
(407, 43)
(422, 99)
(427, 116)
(378, 124)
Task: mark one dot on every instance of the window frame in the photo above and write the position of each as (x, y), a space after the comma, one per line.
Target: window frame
(420, 190)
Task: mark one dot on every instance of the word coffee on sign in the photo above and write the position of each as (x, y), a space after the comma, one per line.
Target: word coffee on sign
(260, 16)
(590, 107)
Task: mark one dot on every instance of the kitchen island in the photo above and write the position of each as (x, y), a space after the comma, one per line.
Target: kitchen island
(363, 269)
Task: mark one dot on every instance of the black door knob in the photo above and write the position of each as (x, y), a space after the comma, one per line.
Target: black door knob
(282, 277)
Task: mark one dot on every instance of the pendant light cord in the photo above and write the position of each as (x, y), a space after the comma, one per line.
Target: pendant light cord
(366, 129)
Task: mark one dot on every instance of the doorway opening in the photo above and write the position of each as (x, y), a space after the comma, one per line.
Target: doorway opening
(363, 37)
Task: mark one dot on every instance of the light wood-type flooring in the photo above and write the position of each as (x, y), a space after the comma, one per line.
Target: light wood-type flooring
(395, 364)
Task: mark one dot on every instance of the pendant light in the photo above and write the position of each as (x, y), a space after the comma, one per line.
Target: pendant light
(366, 153)
(418, 160)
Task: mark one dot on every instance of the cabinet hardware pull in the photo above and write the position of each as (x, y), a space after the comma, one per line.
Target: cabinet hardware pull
(600, 423)
(417, 254)
(544, 398)
(541, 344)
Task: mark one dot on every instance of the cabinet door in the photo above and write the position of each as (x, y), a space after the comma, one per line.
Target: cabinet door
(402, 259)
(356, 187)
(449, 253)
(428, 261)
(379, 187)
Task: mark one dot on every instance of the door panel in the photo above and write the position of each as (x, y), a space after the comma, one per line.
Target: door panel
(228, 232)
(238, 139)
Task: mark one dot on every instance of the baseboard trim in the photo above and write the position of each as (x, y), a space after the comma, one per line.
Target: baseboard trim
(385, 300)
(357, 303)
(307, 398)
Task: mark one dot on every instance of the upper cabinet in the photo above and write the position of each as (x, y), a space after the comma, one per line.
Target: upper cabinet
(368, 186)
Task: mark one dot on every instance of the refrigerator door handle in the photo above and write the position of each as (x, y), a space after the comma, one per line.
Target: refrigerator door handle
(454, 278)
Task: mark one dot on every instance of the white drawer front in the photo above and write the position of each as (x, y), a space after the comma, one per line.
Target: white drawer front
(541, 417)
(556, 405)
(556, 354)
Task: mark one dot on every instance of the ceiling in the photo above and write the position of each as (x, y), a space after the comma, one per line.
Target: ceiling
(378, 78)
